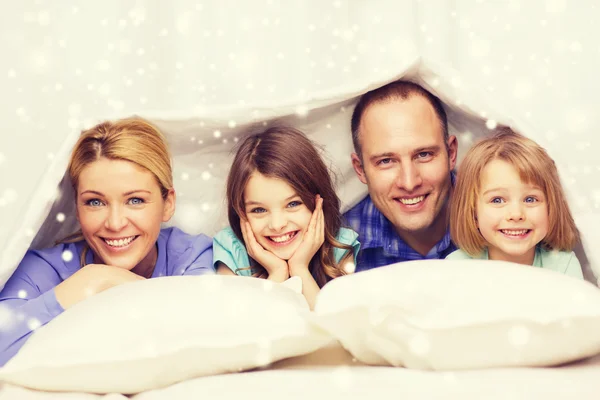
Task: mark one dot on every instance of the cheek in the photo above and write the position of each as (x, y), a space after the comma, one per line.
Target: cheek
(486, 217)
(437, 173)
(541, 217)
(381, 181)
(257, 225)
(304, 218)
(89, 221)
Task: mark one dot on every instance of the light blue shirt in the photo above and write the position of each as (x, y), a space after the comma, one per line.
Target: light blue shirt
(564, 262)
(229, 250)
(29, 295)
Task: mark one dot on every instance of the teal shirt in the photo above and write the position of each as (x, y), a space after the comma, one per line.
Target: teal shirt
(229, 250)
(564, 262)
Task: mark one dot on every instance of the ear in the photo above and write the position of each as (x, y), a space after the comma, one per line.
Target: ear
(169, 205)
(452, 151)
(358, 168)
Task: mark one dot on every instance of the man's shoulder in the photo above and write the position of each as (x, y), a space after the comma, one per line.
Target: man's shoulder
(361, 213)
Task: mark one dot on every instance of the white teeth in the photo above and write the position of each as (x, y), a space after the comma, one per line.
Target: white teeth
(414, 200)
(283, 238)
(119, 242)
(512, 232)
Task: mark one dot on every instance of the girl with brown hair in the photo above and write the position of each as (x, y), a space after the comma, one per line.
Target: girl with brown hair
(284, 214)
(508, 204)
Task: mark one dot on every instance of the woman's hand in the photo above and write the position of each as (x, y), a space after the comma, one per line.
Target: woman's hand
(275, 266)
(311, 241)
(90, 280)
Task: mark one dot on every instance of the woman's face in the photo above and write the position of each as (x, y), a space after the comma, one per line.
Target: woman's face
(120, 209)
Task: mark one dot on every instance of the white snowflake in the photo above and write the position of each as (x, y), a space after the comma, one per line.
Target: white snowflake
(67, 255)
(22, 294)
(349, 267)
(6, 317)
(33, 323)
(302, 110)
(491, 124)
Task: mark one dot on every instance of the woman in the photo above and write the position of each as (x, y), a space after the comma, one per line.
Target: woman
(122, 178)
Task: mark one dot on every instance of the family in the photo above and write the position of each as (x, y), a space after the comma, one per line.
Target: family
(504, 203)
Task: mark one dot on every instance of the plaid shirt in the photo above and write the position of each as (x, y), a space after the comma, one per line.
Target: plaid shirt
(380, 244)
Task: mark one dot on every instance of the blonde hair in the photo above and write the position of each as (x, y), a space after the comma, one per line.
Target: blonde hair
(534, 166)
(133, 140)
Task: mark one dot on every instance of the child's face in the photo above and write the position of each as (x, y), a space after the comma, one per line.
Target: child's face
(512, 216)
(276, 213)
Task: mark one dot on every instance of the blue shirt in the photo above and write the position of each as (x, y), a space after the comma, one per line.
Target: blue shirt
(28, 301)
(380, 244)
(229, 250)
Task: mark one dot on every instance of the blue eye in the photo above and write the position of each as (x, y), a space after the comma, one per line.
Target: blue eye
(497, 200)
(384, 161)
(294, 204)
(424, 154)
(94, 203)
(258, 210)
(136, 201)
(530, 199)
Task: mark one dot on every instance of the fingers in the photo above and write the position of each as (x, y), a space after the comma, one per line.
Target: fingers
(321, 223)
(248, 237)
(315, 215)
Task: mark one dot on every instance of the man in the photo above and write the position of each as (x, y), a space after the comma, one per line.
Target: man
(405, 156)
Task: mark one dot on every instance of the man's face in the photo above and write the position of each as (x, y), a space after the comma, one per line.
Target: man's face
(406, 165)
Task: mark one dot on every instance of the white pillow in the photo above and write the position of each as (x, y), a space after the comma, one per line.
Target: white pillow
(149, 334)
(456, 314)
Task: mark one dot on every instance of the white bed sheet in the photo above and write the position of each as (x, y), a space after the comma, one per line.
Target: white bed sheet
(331, 374)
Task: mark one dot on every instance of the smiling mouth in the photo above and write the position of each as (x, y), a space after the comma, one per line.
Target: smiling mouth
(121, 242)
(411, 201)
(516, 233)
(282, 240)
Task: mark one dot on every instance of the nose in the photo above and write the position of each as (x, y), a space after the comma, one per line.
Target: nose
(116, 219)
(515, 212)
(277, 222)
(409, 178)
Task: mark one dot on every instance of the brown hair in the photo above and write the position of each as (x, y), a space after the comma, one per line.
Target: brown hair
(133, 140)
(534, 166)
(397, 90)
(287, 154)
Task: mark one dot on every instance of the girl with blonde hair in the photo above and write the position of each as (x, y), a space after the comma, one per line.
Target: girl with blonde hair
(508, 204)
(122, 178)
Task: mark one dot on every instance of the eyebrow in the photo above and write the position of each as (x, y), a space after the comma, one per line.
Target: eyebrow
(124, 194)
(258, 203)
(504, 189)
(434, 148)
(381, 155)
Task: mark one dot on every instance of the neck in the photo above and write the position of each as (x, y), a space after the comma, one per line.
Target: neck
(422, 241)
(525, 259)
